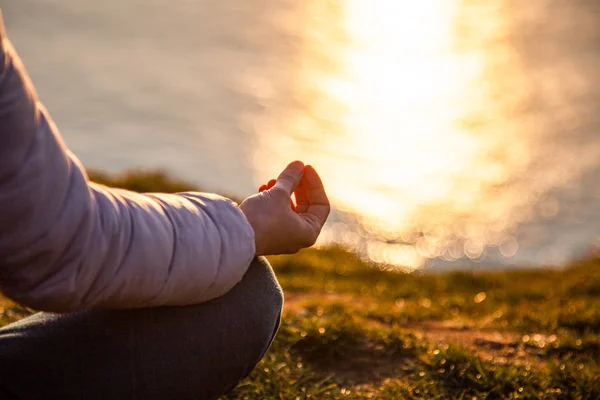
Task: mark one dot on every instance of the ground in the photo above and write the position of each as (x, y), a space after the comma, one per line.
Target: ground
(352, 330)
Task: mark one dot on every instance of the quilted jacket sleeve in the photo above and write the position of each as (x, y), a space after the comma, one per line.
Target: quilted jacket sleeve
(67, 244)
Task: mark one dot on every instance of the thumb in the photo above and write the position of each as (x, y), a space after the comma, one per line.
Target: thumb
(290, 177)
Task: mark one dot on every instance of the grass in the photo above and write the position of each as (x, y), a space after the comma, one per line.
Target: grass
(351, 330)
(354, 331)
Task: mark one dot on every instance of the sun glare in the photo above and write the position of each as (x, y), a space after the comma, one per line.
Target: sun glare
(399, 74)
(384, 125)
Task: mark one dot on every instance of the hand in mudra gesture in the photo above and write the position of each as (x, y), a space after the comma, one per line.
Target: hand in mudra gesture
(280, 227)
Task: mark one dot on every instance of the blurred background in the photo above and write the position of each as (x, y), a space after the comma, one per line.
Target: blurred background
(447, 132)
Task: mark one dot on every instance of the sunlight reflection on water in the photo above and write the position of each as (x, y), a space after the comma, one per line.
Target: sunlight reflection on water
(421, 133)
(444, 129)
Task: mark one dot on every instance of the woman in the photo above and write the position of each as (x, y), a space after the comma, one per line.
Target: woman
(150, 296)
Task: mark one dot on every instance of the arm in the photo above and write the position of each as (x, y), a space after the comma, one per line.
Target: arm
(68, 244)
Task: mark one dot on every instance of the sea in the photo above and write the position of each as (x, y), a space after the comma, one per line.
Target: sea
(448, 133)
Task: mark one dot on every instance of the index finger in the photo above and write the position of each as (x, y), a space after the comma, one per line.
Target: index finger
(318, 202)
(314, 187)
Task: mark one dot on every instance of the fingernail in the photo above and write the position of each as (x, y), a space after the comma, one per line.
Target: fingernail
(296, 166)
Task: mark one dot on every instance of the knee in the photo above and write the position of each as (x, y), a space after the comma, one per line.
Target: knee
(264, 299)
(260, 282)
(263, 280)
(264, 292)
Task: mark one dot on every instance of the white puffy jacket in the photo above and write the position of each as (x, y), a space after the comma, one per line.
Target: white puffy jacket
(67, 244)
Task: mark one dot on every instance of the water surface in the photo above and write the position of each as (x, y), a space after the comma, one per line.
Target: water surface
(459, 131)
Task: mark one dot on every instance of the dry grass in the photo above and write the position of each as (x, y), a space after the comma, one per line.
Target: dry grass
(353, 331)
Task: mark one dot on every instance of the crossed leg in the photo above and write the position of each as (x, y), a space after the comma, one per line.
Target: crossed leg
(192, 352)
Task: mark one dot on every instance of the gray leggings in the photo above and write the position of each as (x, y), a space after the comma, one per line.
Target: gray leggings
(192, 352)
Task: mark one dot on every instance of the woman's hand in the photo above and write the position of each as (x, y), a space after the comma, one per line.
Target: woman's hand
(280, 227)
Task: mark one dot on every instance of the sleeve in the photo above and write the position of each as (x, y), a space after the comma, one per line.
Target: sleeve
(67, 244)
